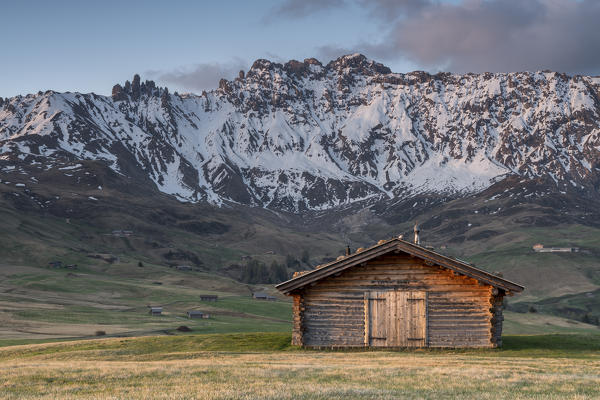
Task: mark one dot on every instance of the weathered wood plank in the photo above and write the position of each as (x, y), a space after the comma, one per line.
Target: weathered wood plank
(458, 312)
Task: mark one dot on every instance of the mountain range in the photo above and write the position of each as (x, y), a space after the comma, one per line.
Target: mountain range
(303, 136)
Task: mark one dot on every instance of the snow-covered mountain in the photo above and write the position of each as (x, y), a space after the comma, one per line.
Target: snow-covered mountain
(303, 136)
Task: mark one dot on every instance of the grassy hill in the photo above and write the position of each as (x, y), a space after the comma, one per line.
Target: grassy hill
(119, 275)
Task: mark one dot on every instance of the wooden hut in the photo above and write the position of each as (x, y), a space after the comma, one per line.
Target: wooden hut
(262, 296)
(155, 310)
(397, 294)
(193, 314)
(209, 297)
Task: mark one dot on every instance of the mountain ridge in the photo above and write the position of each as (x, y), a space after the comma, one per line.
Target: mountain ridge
(302, 136)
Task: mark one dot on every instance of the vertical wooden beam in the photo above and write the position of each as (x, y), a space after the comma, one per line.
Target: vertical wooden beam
(426, 344)
(297, 318)
(367, 320)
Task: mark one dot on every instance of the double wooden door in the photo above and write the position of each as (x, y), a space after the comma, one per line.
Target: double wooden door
(396, 318)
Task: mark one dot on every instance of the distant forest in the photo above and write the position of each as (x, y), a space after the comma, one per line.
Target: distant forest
(257, 272)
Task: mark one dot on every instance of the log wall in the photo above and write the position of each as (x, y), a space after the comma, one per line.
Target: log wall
(460, 311)
(497, 318)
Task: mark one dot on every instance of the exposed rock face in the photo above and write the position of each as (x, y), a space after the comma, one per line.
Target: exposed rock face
(118, 94)
(135, 87)
(301, 135)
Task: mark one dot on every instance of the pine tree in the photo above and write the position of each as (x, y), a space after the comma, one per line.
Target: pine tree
(305, 257)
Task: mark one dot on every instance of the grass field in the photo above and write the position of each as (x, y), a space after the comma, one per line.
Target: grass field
(40, 303)
(263, 365)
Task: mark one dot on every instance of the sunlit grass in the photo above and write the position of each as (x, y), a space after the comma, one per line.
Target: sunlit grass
(264, 365)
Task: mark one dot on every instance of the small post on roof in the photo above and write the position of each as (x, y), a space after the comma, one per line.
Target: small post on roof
(348, 250)
(417, 230)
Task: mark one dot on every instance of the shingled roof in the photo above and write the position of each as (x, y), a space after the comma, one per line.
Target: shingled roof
(388, 246)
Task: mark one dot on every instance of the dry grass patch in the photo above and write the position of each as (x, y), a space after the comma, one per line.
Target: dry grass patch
(381, 375)
(252, 366)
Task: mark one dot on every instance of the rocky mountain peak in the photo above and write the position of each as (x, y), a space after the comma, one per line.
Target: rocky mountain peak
(135, 89)
(263, 65)
(357, 64)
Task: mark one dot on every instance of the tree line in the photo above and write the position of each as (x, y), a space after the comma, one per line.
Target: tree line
(258, 272)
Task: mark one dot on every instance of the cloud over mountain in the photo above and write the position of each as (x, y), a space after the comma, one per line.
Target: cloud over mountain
(200, 76)
(474, 35)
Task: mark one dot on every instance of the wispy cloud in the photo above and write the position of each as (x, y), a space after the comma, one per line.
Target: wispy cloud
(201, 76)
(331, 52)
(390, 10)
(302, 8)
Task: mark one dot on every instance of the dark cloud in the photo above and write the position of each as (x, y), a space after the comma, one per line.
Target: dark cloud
(501, 35)
(498, 35)
(200, 76)
(475, 35)
(303, 8)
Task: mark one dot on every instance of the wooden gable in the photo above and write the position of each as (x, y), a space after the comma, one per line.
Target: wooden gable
(398, 246)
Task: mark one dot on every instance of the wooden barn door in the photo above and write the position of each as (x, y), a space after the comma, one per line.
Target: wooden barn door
(396, 318)
(376, 318)
(411, 318)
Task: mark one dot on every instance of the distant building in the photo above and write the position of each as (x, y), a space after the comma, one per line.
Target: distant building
(209, 297)
(539, 248)
(183, 267)
(197, 314)
(121, 233)
(55, 264)
(263, 296)
(156, 310)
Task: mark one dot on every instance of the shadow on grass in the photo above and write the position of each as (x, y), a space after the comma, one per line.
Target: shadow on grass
(189, 345)
(552, 343)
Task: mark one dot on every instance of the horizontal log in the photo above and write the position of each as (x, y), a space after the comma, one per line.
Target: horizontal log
(328, 306)
(462, 320)
(462, 326)
(316, 325)
(335, 317)
(349, 297)
(458, 313)
(460, 339)
(337, 337)
(326, 322)
(351, 287)
(400, 279)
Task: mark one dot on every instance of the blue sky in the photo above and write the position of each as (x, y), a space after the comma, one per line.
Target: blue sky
(187, 45)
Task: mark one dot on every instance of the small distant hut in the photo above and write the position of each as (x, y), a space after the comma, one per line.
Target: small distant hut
(397, 294)
(155, 311)
(539, 248)
(209, 297)
(193, 314)
(263, 296)
(183, 267)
